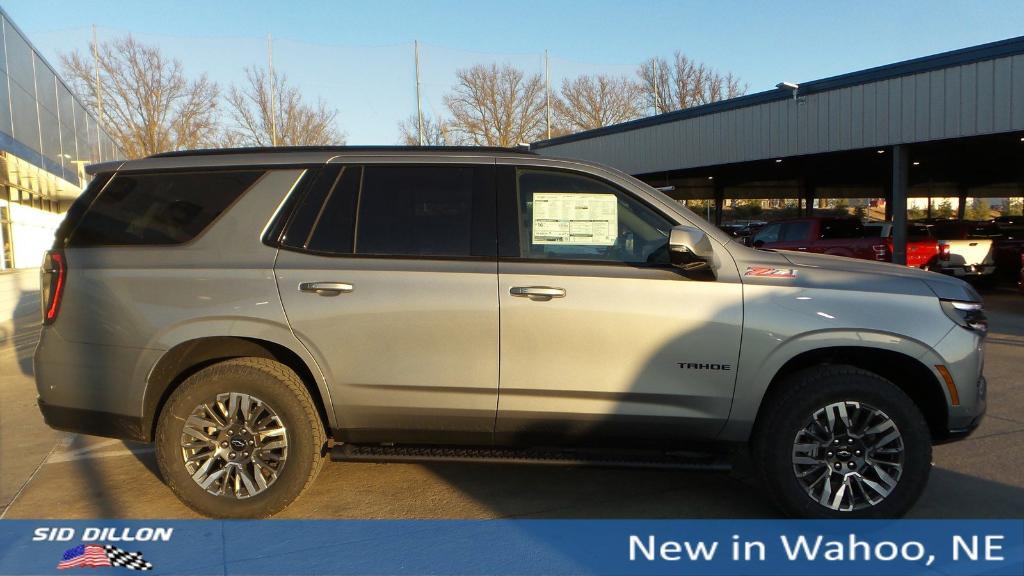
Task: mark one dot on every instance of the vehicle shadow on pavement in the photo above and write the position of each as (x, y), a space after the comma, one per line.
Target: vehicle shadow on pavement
(954, 495)
(24, 329)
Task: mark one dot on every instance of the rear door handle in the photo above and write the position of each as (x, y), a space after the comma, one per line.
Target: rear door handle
(326, 288)
(540, 293)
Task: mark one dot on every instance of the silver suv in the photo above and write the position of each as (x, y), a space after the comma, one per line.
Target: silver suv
(254, 311)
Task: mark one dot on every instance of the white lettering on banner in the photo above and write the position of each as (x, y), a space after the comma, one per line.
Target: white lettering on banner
(853, 549)
(575, 219)
(104, 534)
(971, 550)
(670, 550)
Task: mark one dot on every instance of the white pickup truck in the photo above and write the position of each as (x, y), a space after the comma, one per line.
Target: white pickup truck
(965, 249)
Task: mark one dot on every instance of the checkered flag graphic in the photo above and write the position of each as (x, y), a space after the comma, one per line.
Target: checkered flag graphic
(129, 560)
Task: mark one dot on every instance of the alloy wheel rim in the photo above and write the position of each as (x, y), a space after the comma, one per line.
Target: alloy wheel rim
(848, 456)
(234, 446)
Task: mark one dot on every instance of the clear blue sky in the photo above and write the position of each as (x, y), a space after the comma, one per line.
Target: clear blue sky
(357, 56)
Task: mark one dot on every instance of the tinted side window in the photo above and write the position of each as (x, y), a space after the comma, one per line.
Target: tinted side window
(769, 233)
(841, 229)
(78, 208)
(917, 233)
(566, 216)
(425, 211)
(325, 221)
(161, 208)
(795, 231)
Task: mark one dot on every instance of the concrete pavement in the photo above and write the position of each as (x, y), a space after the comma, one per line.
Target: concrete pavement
(25, 440)
(88, 477)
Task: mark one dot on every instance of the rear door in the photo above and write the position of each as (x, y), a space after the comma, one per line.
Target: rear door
(388, 276)
(843, 237)
(601, 339)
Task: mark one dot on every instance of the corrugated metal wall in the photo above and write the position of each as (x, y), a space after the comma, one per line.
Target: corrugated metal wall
(978, 98)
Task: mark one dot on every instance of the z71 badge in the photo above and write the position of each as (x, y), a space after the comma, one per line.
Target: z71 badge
(769, 272)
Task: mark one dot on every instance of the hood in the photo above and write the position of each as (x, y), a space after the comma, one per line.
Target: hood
(841, 273)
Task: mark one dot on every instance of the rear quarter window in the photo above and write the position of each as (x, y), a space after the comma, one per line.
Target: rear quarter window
(159, 208)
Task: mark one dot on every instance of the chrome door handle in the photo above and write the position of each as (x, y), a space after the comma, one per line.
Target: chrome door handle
(326, 288)
(541, 293)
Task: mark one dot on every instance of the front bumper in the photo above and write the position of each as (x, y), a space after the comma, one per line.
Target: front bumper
(980, 406)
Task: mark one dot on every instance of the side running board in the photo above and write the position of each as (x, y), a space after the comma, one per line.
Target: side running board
(554, 457)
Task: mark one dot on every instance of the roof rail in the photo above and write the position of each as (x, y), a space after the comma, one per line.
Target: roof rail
(282, 149)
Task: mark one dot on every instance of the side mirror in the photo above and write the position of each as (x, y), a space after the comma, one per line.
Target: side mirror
(689, 248)
(758, 243)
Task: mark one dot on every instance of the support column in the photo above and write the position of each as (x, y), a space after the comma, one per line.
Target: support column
(719, 201)
(961, 208)
(809, 199)
(898, 201)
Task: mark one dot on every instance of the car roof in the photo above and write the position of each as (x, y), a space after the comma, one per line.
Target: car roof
(285, 155)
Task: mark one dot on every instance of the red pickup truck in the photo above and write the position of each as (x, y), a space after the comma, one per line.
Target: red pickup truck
(844, 237)
(923, 248)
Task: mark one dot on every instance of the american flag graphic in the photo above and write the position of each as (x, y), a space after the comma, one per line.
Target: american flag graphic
(97, 556)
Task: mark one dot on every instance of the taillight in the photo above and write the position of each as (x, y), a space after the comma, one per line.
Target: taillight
(943, 251)
(882, 252)
(52, 277)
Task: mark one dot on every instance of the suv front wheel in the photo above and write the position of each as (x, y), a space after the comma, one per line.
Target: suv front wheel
(840, 442)
(240, 439)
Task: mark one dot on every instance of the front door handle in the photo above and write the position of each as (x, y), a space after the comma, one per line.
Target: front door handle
(539, 293)
(326, 288)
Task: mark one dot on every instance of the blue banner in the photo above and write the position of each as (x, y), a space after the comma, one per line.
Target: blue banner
(521, 547)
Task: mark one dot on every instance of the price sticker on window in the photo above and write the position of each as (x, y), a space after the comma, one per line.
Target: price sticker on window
(575, 219)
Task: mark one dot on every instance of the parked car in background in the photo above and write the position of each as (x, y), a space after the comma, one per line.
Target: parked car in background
(1010, 223)
(1009, 247)
(823, 235)
(922, 247)
(733, 228)
(742, 229)
(1020, 281)
(966, 248)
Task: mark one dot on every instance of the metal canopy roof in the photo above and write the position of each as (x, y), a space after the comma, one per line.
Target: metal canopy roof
(967, 92)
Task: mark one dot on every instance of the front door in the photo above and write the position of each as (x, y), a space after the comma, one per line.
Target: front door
(601, 339)
(388, 277)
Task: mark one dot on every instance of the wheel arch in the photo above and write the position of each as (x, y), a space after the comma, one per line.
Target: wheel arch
(188, 357)
(911, 375)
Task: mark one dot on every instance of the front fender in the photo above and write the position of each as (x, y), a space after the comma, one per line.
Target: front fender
(756, 371)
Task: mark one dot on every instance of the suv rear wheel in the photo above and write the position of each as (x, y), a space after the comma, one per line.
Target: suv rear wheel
(840, 442)
(240, 439)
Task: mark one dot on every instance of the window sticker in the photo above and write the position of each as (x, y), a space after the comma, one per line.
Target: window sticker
(575, 219)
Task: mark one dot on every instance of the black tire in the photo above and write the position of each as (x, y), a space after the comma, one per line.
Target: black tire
(278, 387)
(806, 392)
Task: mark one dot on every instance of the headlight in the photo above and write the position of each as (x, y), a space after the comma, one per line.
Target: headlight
(970, 315)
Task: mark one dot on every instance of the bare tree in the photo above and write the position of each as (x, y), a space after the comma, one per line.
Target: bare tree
(589, 102)
(297, 122)
(684, 83)
(436, 132)
(148, 104)
(496, 106)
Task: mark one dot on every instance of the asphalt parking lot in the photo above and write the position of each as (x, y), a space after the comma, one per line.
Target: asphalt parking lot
(48, 474)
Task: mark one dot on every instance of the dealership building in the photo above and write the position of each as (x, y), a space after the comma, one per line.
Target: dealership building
(947, 126)
(46, 138)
